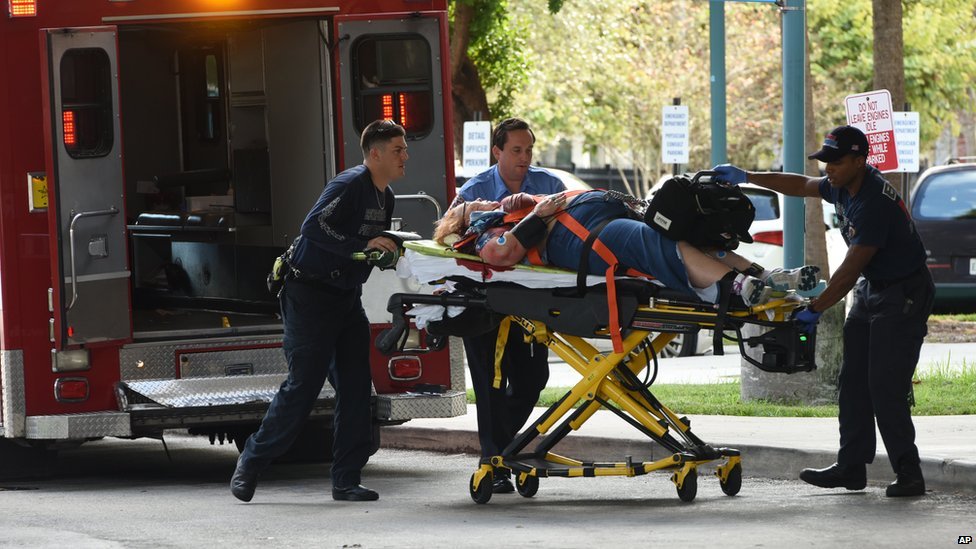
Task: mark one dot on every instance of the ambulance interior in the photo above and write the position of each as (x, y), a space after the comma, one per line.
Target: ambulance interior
(227, 143)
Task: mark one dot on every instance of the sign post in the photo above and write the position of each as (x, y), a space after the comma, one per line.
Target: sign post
(477, 148)
(906, 137)
(871, 113)
(674, 134)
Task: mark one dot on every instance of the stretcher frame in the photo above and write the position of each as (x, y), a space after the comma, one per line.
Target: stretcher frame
(610, 379)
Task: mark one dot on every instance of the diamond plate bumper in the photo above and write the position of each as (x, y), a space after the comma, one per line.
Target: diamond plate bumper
(79, 426)
(205, 391)
(407, 406)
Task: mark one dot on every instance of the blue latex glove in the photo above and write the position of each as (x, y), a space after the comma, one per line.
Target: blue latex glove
(729, 174)
(807, 320)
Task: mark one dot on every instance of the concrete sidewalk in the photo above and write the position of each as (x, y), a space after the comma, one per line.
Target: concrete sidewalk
(771, 447)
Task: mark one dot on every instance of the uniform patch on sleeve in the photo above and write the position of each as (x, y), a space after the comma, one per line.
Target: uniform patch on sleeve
(889, 191)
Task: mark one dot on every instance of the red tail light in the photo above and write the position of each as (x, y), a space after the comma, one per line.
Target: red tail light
(395, 110)
(71, 389)
(22, 8)
(403, 110)
(405, 368)
(68, 123)
(769, 237)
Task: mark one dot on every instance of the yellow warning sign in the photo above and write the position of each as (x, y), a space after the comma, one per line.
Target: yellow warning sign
(37, 191)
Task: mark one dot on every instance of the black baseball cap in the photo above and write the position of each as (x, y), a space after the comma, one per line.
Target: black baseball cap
(840, 142)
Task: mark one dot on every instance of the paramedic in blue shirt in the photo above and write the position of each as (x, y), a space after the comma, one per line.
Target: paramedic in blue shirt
(525, 367)
(326, 330)
(885, 327)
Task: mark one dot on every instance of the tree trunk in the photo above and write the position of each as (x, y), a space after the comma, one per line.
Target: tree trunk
(889, 50)
(967, 130)
(468, 94)
(819, 386)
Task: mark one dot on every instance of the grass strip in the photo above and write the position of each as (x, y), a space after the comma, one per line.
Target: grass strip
(941, 391)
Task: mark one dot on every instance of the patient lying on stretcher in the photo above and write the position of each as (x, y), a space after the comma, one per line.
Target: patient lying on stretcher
(555, 230)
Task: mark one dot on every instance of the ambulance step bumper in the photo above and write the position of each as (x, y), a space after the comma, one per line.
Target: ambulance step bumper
(203, 391)
(78, 426)
(402, 407)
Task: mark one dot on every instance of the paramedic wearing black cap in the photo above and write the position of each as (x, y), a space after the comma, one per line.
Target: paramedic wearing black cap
(326, 332)
(885, 327)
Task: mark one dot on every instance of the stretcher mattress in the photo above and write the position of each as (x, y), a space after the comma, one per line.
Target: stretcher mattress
(427, 261)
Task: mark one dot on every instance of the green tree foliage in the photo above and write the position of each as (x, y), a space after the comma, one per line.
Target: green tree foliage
(498, 52)
(604, 70)
(940, 58)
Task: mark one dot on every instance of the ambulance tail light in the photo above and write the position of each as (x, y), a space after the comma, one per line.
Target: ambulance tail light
(405, 368)
(71, 389)
(22, 8)
(769, 237)
(70, 128)
(408, 109)
(403, 110)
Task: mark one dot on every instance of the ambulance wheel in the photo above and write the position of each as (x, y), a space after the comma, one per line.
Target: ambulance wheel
(733, 483)
(528, 487)
(483, 493)
(689, 489)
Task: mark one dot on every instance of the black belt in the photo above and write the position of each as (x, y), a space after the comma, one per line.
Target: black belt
(320, 282)
(882, 284)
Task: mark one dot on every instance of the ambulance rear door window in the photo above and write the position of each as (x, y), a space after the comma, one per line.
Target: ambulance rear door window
(392, 80)
(86, 103)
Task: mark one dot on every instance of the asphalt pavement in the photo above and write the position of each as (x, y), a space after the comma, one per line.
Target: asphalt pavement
(772, 447)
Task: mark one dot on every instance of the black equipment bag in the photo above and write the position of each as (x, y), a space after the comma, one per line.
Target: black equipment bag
(702, 211)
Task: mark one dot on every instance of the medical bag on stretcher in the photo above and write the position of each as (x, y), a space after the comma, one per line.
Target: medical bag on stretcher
(702, 211)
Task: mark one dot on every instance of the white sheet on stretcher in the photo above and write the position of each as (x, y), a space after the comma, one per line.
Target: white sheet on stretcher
(428, 268)
(424, 268)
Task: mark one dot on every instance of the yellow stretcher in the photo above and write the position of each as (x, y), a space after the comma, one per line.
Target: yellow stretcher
(563, 319)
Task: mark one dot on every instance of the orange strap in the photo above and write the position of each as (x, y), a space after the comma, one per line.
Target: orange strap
(606, 255)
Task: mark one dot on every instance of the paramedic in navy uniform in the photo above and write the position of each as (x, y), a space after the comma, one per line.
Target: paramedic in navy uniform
(884, 330)
(326, 330)
(525, 367)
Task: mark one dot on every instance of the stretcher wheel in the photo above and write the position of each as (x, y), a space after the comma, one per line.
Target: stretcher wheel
(733, 483)
(483, 493)
(689, 488)
(528, 487)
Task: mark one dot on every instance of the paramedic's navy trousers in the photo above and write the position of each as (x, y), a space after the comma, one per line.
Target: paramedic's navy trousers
(326, 337)
(882, 338)
(525, 371)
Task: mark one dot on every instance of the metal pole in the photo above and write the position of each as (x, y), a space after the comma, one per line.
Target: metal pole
(674, 167)
(716, 39)
(794, 155)
(905, 187)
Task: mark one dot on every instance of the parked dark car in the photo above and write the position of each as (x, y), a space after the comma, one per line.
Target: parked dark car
(943, 205)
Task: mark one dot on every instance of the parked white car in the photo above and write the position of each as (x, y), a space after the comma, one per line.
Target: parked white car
(767, 230)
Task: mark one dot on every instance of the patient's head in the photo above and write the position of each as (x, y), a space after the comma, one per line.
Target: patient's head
(456, 219)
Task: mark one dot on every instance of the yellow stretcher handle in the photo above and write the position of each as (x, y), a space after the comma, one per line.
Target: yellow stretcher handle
(500, 342)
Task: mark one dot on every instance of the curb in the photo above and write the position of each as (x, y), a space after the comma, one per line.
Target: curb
(950, 476)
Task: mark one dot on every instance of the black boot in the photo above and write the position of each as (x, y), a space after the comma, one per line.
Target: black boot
(243, 483)
(909, 482)
(503, 482)
(852, 477)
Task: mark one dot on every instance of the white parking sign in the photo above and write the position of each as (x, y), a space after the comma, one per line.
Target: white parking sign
(477, 148)
(674, 134)
(906, 138)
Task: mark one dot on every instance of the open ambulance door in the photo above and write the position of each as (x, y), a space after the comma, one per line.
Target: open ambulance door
(394, 68)
(89, 300)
